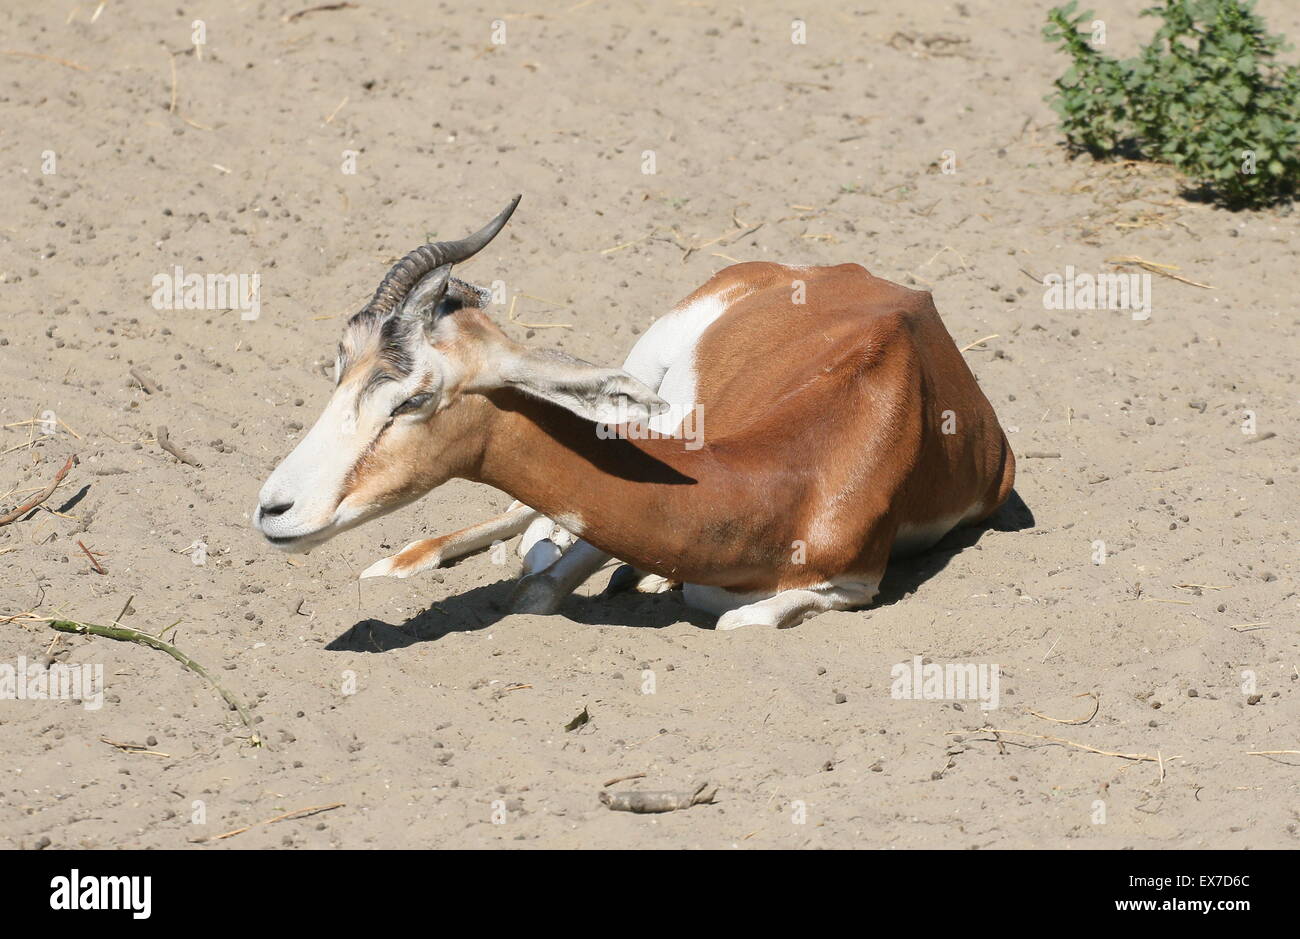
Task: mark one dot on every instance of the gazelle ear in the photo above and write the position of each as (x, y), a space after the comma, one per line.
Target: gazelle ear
(423, 299)
(603, 395)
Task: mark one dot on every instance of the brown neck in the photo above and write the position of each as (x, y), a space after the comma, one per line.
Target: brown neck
(610, 490)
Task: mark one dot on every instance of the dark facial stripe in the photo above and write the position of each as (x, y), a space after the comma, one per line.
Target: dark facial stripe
(392, 338)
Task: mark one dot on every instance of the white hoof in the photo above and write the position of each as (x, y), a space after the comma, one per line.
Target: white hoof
(384, 567)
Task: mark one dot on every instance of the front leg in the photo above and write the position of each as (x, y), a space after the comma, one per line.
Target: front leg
(430, 552)
(543, 543)
(543, 592)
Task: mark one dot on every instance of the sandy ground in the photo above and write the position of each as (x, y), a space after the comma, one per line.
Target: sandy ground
(459, 712)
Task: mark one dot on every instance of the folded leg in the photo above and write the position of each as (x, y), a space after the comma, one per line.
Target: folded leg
(431, 552)
(628, 577)
(786, 608)
(544, 591)
(543, 543)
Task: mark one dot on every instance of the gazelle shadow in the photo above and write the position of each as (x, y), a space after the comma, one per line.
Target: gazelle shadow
(481, 607)
(469, 611)
(905, 575)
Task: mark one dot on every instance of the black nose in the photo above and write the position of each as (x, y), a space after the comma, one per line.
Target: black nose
(278, 509)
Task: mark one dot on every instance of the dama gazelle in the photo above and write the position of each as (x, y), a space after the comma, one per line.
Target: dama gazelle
(842, 425)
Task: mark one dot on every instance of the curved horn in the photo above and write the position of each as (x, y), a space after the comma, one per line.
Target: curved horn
(408, 272)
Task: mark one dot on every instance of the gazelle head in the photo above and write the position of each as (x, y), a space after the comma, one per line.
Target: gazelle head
(408, 410)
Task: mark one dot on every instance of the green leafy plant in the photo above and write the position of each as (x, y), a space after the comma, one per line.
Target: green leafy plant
(1207, 95)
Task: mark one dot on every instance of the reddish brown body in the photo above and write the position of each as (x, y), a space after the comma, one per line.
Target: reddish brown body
(824, 439)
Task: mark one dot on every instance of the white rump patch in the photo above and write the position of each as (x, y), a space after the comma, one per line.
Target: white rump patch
(664, 358)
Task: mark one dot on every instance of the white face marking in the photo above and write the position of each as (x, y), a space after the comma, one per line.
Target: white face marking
(310, 479)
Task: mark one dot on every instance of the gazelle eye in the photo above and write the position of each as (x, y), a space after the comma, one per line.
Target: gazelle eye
(413, 403)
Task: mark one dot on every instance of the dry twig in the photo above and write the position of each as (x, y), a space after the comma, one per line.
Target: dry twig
(148, 384)
(1096, 706)
(44, 58)
(94, 562)
(977, 342)
(298, 813)
(324, 7)
(618, 779)
(1164, 270)
(133, 748)
(1138, 757)
(165, 442)
(41, 496)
